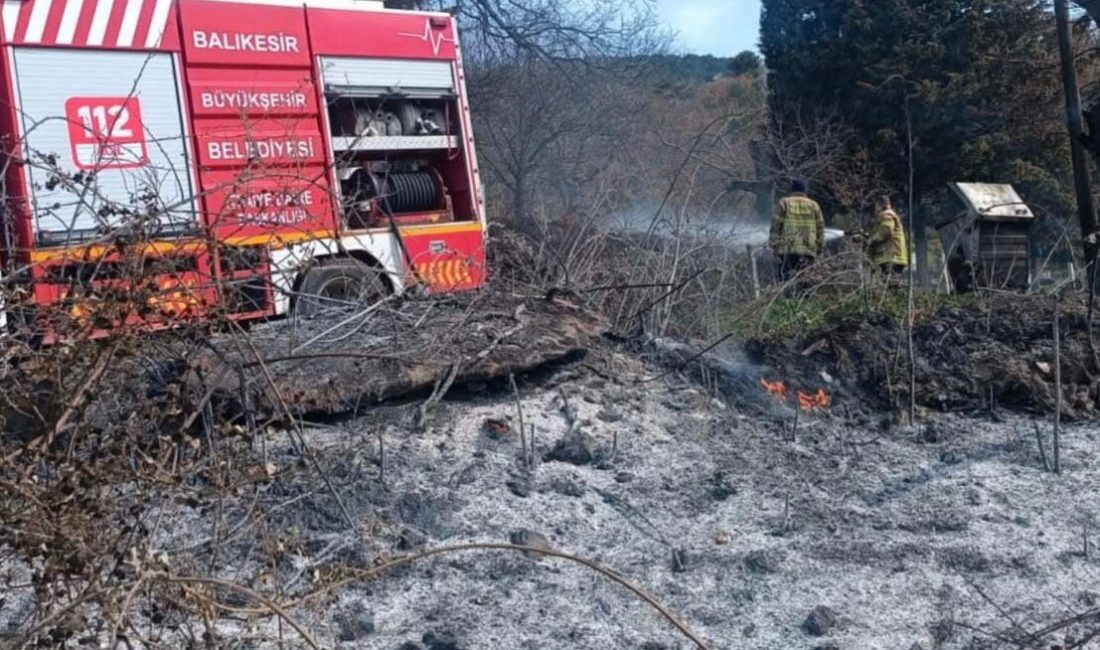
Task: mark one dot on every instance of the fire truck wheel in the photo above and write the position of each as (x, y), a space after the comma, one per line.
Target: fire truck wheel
(337, 284)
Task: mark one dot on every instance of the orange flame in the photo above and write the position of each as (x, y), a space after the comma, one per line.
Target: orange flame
(819, 400)
(776, 389)
(806, 401)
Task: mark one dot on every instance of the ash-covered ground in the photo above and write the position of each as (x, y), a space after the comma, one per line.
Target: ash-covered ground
(755, 526)
(949, 536)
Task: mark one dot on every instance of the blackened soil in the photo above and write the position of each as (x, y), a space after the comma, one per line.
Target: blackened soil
(996, 353)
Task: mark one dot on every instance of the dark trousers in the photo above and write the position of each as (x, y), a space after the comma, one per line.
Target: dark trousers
(788, 266)
(891, 269)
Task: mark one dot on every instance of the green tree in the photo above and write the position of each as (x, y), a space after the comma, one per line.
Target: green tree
(1092, 7)
(747, 62)
(974, 82)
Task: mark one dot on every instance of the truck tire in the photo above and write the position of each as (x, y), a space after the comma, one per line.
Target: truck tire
(339, 284)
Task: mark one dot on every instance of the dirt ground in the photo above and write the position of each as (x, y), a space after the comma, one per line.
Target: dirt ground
(996, 349)
(930, 538)
(759, 529)
(912, 538)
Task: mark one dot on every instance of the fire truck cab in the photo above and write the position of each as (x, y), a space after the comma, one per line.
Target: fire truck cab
(255, 157)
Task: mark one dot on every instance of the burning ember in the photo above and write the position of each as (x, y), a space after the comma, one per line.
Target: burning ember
(819, 400)
(776, 389)
(806, 401)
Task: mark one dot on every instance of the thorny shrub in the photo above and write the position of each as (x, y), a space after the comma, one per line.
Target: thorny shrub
(99, 438)
(663, 285)
(693, 284)
(134, 506)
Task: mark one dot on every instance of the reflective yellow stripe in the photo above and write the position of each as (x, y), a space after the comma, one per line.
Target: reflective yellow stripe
(446, 273)
(446, 229)
(97, 251)
(279, 240)
(271, 240)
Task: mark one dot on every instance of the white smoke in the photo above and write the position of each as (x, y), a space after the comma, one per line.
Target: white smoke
(731, 230)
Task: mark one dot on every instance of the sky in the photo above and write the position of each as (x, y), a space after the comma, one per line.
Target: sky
(718, 27)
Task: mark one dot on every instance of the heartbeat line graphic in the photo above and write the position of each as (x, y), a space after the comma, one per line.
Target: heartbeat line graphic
(429, 36)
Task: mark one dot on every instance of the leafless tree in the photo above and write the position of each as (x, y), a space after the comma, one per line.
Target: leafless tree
(548, 132)
(558, 30)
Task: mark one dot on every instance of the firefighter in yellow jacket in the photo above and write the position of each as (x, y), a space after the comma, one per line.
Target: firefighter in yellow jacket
(797, 232)
(886, 244)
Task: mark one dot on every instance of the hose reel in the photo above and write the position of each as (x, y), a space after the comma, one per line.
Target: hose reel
(375, 194)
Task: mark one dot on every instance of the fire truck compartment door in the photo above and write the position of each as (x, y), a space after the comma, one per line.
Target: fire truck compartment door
(379, 77)
(112, 125)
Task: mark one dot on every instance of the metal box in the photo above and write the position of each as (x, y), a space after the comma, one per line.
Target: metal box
(988, 244)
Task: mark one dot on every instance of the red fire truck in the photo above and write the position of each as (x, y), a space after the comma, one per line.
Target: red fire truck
(259, 157)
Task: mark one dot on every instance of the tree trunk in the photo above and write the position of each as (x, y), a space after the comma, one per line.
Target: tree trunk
(1085, 210)
(519, 203)
(763, 160)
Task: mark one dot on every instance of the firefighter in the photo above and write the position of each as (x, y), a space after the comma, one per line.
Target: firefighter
(797, 232)
(886, 244)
